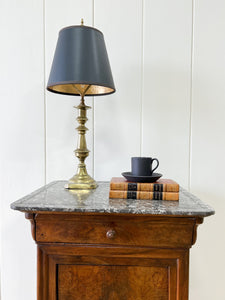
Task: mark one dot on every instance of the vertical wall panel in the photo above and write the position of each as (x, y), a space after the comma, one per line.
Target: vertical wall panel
(22, 139)
(61, 138)
(166, 90)
(208, 147)
(117, 116)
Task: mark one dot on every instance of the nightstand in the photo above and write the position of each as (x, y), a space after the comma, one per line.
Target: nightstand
(93, 247)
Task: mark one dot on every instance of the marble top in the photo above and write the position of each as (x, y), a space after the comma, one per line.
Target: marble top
(55, 198)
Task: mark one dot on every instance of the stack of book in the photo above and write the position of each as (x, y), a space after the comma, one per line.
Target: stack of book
(162, 189)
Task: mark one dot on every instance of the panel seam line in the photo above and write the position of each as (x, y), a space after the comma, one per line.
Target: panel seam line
(93, 106)
(45, 120)
(142, 79)
(191, 98)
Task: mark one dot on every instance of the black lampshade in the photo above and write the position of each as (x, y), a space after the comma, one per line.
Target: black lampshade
(81, 60)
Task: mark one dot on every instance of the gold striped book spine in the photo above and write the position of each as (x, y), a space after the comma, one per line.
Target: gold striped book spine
(140, 195)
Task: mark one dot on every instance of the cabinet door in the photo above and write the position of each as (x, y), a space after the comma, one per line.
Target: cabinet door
(118, 282)
(108, 273)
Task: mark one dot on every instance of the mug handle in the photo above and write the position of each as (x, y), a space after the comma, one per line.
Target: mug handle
(157, 164)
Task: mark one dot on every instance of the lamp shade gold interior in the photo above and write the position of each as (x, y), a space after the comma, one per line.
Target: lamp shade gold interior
(72, 89)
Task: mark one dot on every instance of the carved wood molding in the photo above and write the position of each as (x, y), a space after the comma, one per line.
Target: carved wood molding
(198, 221)
(31, 217)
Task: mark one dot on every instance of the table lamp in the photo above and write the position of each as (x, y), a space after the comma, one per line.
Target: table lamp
(81, 67)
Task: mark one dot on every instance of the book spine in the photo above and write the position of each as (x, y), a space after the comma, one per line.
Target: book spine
(140, 195)
(144, 187)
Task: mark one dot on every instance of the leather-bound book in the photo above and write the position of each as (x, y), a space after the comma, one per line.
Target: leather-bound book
(161, 185)
(116, 194)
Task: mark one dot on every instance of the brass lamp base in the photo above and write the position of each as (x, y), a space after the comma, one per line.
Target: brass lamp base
(83, 183)
(81, 180)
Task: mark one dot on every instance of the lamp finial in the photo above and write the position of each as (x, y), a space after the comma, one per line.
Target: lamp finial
(82, 22)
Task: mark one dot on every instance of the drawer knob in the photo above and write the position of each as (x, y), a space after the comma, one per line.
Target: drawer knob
(110, 234)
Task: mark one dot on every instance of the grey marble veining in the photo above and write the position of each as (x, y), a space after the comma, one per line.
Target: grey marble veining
(53, 197)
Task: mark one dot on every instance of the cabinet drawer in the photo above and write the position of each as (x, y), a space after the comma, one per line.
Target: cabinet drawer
(115, 230)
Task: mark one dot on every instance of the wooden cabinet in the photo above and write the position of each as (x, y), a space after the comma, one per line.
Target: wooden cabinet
(112, 257)
(90, 247)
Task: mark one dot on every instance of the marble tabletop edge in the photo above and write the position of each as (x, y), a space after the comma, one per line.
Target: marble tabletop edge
(166, 208)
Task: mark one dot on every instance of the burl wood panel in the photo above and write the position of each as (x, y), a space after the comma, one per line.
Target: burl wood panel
(112, 283)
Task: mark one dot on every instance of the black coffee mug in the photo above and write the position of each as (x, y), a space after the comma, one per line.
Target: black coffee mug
(142, 166)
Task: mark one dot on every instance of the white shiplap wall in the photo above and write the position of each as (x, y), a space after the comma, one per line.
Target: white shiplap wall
(166, 86)
(22, 139)
(208, 147)
(117, 117)
(168, 63)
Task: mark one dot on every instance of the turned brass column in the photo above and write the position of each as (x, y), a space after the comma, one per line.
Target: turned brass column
(82, 180)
